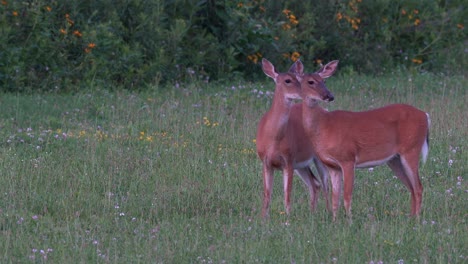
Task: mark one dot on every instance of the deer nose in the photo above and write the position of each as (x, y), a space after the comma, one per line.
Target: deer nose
(329, 97)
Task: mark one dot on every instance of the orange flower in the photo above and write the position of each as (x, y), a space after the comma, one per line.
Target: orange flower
(286, 11)
(416, 11)
(4, 2)
(295, 56)
(417, 22)
(91, 45)
(14, 13)
(339, 16)
(240, 4)
(460, 26)
(48, 8)
(403, 12)
(63, 31)
(77, 33)
(417, 61)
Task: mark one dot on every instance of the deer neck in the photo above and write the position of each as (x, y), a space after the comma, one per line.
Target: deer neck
(312, 116)
(279, 115)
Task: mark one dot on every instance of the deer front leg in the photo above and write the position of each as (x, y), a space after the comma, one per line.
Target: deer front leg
(267, 189)
(288, 173)
(335, 176)
(348, 186)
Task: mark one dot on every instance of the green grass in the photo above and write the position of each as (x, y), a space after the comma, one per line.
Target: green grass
(173, 177)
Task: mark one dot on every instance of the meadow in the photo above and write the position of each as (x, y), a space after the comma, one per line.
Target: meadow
(170, 175)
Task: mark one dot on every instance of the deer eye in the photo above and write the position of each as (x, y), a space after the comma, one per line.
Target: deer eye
(288, 81)
(311, 82)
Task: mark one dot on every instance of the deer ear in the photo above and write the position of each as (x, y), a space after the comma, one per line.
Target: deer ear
(297, 68)
(328, 70)
(269, 69)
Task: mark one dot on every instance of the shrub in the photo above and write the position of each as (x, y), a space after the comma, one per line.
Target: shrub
(65, 45)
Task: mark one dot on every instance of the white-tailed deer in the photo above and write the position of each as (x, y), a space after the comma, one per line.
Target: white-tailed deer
(395, 134)
(282, 143)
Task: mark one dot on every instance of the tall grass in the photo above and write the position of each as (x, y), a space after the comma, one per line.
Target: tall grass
(173, 177)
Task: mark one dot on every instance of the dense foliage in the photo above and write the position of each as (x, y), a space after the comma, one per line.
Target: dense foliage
(64, 45)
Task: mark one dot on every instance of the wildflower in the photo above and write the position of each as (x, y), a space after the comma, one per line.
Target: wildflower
(417, 22)
(77, 33)
(253, 58)
(286, 26)
(403, 12)
(286, 11)
(48, 8)
(339, 16)
(63, 31)
(460, 26)
(417, 61)
(295, 56)
(15, 13)
(416, 11)
(70, 22)
(90, 47)
(254, 140)
(4, 3)
(319, 61)
(240, 4)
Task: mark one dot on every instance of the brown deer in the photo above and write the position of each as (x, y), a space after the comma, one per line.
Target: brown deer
(395, 134)
(282, 143)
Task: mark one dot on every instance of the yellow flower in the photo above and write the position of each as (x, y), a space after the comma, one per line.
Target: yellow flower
(295, 56)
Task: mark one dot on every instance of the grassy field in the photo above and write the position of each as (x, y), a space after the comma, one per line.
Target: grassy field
(172, 177)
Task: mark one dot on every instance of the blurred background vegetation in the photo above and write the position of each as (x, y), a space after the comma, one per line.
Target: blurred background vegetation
(67, 45)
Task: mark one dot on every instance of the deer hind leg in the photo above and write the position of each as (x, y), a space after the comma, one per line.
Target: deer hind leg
(410, 162)
(405, 173)
(348, 186)
(267, 172)
(288, 173)
(312, 184)
(335, 176)
(323, 173)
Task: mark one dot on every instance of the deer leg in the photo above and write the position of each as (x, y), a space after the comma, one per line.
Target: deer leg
(312, 185)
(397, 168)
(323, 173)
(348, 186)
(335, 176)
(267, 189)
(288, 173)
(410, 162)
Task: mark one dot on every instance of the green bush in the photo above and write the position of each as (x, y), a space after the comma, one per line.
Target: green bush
(65, 45)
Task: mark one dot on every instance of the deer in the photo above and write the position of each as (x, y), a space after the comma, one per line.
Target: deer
(282, 144)
(396, 135)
